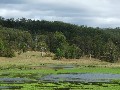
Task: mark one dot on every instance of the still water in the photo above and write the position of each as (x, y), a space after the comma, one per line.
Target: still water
(81, 77)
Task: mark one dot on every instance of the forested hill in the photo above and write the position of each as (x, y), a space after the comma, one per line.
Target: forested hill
(63, 39)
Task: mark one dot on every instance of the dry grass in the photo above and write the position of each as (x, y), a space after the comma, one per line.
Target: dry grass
(35, 58)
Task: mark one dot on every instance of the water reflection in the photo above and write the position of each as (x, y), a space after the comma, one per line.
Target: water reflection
(85, 77)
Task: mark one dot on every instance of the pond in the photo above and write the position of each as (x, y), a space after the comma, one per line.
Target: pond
(12, 81)
(52, 66)
(10, 87)
(80, 77)
(57, 80)
(61, 66)
(15, 80)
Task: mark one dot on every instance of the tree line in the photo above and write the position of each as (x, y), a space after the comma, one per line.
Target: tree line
(63, 39)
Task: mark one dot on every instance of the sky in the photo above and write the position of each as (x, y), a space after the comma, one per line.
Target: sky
(95, 13)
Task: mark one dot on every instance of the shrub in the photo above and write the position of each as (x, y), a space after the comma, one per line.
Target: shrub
(8, 53)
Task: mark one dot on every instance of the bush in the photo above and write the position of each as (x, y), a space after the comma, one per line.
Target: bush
(73, 52)
(8, 53)
(59, 53)
(111, 52)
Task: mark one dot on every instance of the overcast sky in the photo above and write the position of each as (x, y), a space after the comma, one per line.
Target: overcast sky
(96, 13)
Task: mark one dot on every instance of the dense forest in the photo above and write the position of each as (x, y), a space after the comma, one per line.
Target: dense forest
(63, 39)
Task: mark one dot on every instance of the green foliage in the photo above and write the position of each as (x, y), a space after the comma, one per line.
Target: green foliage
(63, 39)
(42, 46)
(111, 52)
(59, 53)
(23, 47)
(8, 53)
(73, 52)
(1, 45)
(5, 51)
(40, 43)
(58, 41)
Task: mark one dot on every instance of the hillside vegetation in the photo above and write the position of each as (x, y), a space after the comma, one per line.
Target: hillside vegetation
(63, 39)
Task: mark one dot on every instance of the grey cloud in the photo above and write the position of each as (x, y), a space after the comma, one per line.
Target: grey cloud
(11, 1)
(103, 13)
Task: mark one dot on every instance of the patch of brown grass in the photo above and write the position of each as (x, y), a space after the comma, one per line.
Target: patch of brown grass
(34, 58)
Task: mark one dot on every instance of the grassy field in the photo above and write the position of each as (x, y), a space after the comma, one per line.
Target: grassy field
(34, 58)
(31, 65)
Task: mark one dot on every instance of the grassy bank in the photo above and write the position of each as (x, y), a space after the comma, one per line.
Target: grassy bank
(32, 58)
(31, 65)
(34, 74)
